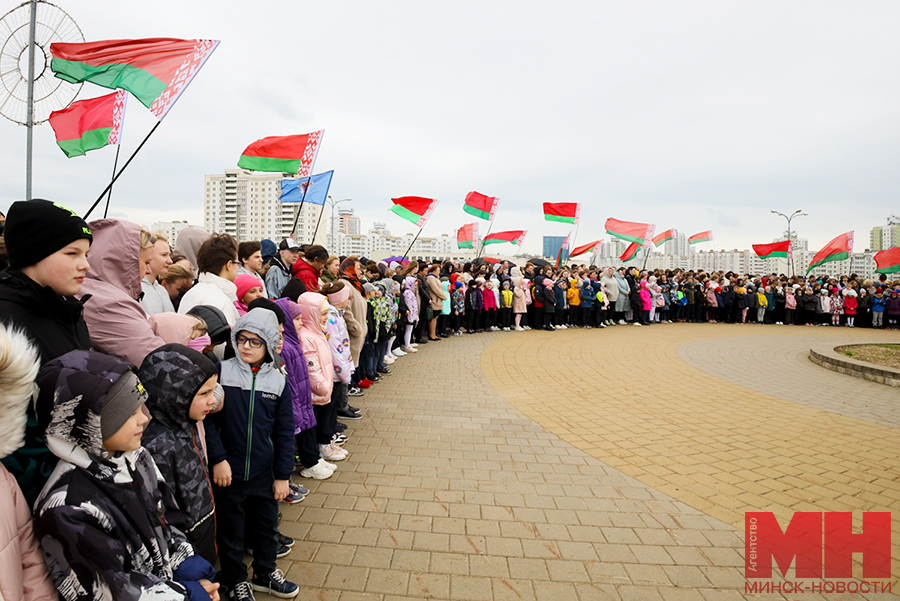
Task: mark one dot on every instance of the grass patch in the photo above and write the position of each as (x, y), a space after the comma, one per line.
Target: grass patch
(886, 355)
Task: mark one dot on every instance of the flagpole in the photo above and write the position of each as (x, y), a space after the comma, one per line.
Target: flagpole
(115, 165)
(318, 221)
(411, 243)
(297, 218)
(124, 167)
(481, 246)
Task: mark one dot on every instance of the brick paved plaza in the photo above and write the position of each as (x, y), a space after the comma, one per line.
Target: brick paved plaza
(585, 465)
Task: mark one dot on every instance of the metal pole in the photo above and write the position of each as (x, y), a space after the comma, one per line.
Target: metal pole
(318, 221)
(29, 120)
(115, 165)
(303, 198)
(481, 246)
(411, 243)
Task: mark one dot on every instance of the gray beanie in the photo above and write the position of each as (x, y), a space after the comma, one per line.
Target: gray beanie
(122, 400)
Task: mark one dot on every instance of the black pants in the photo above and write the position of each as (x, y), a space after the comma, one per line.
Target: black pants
(472, 320)
(548, 320)
(307, 449)
(326, 415)
(505, 317)
(246, 504)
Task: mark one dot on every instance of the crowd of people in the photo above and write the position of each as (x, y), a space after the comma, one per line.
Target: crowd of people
(158, 402)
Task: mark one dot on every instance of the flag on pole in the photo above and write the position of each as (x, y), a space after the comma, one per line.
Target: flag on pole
(664, 237)
(480, 205)
(287, 154)
(701, 237)
(888, 261)
(414, 209)
(90, 124)
(156, 70)
(565, 212)
(838, 249)
(590, 246)
(774, 250)
(563, 248)
(513, 236)
(315, 189)
(638, 233)
(630, 252)
(467, 235)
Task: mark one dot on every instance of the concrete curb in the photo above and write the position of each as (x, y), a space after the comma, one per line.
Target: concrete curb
(829, 358)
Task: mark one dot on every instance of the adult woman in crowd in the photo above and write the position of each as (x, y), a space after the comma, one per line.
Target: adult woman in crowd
(355, 314)
(438, 296)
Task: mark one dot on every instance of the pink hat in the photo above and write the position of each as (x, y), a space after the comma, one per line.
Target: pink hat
(244, 283)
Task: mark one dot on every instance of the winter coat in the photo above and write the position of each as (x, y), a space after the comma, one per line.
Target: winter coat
(892, 305)
(810, 302)
(728, 296)
(297, 373)
(561, 302)
(878, 304)
(116, 321)
(339, 342)
(445, 304)
(155, 298)
(489, 302)
(307, 274)
(473, 299)
(863, 303)
(172, 375)
(634, 297)
(189, 241)
(355, 318)
(458, 301)
(506, 299)
(56, 326)
(790, 301)
(173, 328)
(850, 305)
(213, 290)
(646, 300)
(573, 294)
(837, 305)
(587, 295)
(823, 304)
(623, 301)
(107, 524)
(751, 300)
(711, 299)
(436, 292)
(411, 299)
(316, 349)
(612, 286)
(277, 277)
(549, 297)
(520, 296)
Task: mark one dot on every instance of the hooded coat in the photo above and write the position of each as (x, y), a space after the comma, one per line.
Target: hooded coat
(307, 274)
(254, 431)
(623, 301)
(355, 314)
(172, 375)
(118, 324)
(213, 290)
(189, 241)
(316, 349)
(612, 288)
(173, 328)
(106, 523)
(297, 372)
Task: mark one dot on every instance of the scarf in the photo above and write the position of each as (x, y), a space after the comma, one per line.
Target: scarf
(347, 271)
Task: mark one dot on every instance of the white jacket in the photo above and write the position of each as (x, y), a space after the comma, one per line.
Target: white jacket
(215, 291)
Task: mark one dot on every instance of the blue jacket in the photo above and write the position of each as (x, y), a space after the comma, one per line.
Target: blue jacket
(587, 295)
(254, 431)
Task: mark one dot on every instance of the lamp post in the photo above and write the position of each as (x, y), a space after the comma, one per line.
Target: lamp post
(331, 201)
(797, 213)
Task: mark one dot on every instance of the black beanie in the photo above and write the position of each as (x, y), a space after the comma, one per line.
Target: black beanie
(35, 229)
(264, 303)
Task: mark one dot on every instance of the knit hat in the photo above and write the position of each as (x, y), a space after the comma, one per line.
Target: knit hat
(244, 283)
(295, 309)
(272, 306)
(122, 400)
(368, 287)
(35, 229)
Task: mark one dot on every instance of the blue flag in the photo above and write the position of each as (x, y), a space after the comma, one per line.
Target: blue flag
(316, 188)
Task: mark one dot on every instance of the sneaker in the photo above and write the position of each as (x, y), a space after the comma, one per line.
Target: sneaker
(339, 439)
(242, 591)
(316, 472)
(327, 465)
(355, 391)
(332, 452)
(340, 426)
(398, 352)
(563, 327)
(287, 541)
(410, 349)
(293, 497)
(385, 372)
(388, 359)
(302, 490)
(621, 322)
(342, 414)
(364, 384)
(275, 584)
(637, 323)
(520, 329)
(415, 344)
(280, 551)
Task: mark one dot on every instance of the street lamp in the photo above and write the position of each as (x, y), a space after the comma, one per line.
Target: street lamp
(331, 201)
(797, 213)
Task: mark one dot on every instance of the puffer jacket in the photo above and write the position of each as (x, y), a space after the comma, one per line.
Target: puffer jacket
(118, 324)
(213, 290)
(316, 349)
(106, 523)
(307, 274)
(297, 373)
(172, 375)
(254, 431)
(339, 341)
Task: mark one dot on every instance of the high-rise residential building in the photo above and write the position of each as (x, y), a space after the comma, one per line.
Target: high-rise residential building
(678, 246)
(348, 222)
(883, 237)
(246, 205)
(552, 245)
(170, 229)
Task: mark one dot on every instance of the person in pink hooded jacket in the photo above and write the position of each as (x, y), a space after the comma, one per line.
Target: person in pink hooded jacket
(23, 574)
(646, 303)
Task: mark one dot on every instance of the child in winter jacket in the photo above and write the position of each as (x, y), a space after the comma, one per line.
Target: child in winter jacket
(878, 304)
(549, 297)
(850, 304)
(506, 305)
(761, 303)
(181, 384)
(251, 447)
(458, 308)
(474, 306)
(646, 304)
(587, 297)
(892, 309)
(790, 305)
(837, 307)
(249, 288)
(338, 337)
(108, 523)
(489, 302)
(573, 297)
(23, 574)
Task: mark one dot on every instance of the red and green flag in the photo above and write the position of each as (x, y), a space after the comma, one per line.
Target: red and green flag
(513, 236)
(775, 250)
(155, 70)
(90, 124)
(480, 205)
(888, 261)
(701, 237)
(638, 233)
(563, 248)
(590, 246)
(664, 237)
(630, 252)
(467, 235)
(838, 249)
(565, 212)
(414, 209)
(285, 154)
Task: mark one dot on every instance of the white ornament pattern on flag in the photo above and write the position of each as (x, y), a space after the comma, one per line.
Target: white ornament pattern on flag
(424, 218)
(183, 76)
(115, 135)
(309, 153)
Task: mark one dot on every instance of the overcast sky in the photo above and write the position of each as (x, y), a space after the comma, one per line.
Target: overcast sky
(692, 115)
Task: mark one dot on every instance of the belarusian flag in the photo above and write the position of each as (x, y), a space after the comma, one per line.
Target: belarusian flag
(155, 70)
(580, 250)
(467, 235)
(480, 205)
(90, 124)
(664, 237)
(564, 247)
(285, 154)
(414, 209)
(566, 212)
(514, 236)
(888, 261)
(630, 252)
(627, 230)
(838, 249)
(774, 250)
(701, 237)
